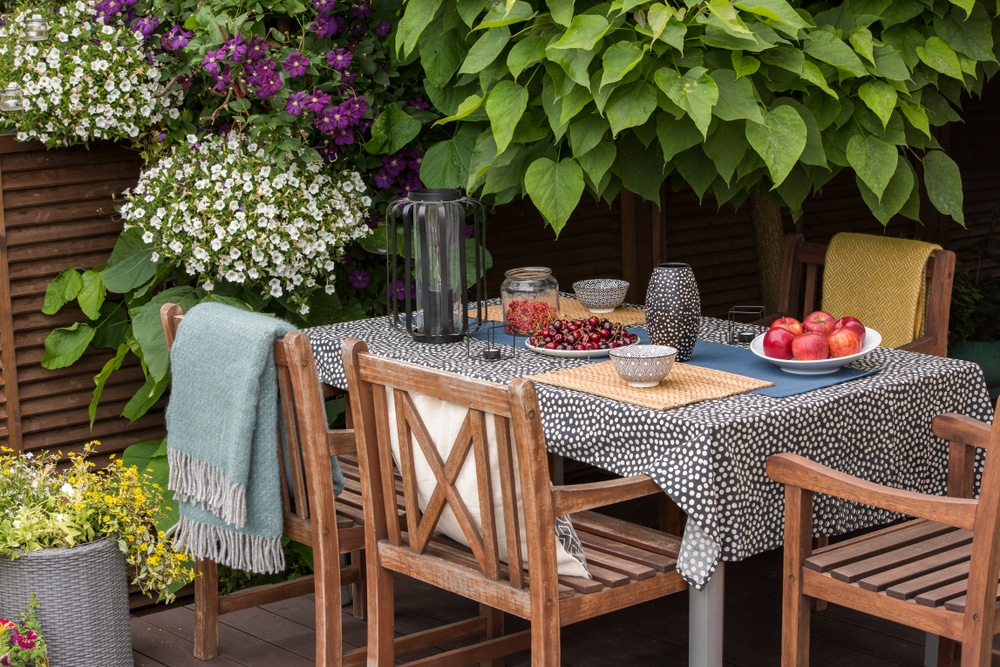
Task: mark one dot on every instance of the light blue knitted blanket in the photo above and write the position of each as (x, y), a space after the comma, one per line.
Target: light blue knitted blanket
(222, 430)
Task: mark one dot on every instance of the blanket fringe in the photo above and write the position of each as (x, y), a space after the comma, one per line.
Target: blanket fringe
(199, 483)
(252, 553)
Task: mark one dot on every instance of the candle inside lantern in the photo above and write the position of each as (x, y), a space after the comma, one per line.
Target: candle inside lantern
(11, 99)
(36, 30)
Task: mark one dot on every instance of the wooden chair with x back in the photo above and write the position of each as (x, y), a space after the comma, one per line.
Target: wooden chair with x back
(482, 519)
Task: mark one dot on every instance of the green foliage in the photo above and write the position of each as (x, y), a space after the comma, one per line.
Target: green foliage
(554, 98)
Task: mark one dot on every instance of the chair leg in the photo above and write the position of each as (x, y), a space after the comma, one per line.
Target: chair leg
(494, 629)
(206, 609)
(327, 589)
(381, 616)
(359, 591)
(672, 519)
(818, 542)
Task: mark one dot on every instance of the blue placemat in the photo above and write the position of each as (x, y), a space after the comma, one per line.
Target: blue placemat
(742, 361)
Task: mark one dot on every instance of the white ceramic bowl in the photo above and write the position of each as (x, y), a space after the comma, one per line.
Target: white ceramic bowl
(819, 366)
(601, 295)
(643, 365)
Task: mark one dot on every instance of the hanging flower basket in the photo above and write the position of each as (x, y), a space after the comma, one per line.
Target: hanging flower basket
(82, 593)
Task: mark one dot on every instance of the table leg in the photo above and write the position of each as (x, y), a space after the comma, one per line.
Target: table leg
(705, 612)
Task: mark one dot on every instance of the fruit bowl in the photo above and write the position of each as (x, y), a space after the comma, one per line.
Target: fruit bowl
(819, 366)
(643, 365)
(601, 295)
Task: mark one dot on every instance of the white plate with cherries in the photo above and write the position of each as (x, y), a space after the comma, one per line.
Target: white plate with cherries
(580, 339)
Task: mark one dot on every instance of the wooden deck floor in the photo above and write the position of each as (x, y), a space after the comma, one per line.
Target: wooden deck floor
(654, 634)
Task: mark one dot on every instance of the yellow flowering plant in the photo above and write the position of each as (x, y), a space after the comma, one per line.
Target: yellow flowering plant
(44, 505)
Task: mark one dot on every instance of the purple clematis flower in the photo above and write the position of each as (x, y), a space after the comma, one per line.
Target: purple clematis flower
(175, 39)
(296, 64)
(339, 59)
(296, 103)
(359, 278)
(383, 29)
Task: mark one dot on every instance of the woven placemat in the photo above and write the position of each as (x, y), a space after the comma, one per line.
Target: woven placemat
(571, 309)
(684, 385)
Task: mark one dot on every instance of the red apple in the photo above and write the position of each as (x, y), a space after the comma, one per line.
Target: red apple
(844, 341)
(778, 343)
(851, 323)
(788, 323)
(810, 346)
(818, 320)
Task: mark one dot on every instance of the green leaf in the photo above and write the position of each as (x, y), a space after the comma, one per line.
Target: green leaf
(64, 288)
(873, 160)
(446, 163)
(64, 346)
(597, 162)
(145, 398)
(972, 37)
(896, 196)
(890, 65)
(658, 16)
(507, 13)
(112, 365)
(561, 12)
(630, 106)
(728, 19)
(813, 153)
(586, 132)
(618, 60)
(917, 116)
(130, 273)
(777, 11)
(583, 33)
(392, 130)
(91, 296)
(814, 75)
(574, 62)
(113, 326)
(555, 189)
(743, 65)
(779, 140)
(148, 330)
(880, 98)
(504, 105)
(695, 92)
(676, 135)
(697, 170)
(863, 43)
(826, 47)
(726, 146)
(737, 97)
(486, 50)
(526, 52)
(943, 181)
(640, 167)
(468, 105)
(417, 15)
(936, 54)
(441, 57)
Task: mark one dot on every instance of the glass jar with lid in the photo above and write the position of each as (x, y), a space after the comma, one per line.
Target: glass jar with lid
(530, 297)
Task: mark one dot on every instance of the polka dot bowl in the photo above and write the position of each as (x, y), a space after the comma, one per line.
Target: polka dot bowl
(601, 295)
(643, 365)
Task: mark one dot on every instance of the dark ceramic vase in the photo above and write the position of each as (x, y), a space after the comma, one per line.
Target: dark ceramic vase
(673, 308)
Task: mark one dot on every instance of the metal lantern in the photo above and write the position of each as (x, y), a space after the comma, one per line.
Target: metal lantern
(36, 29)
(11, 99)
(431, 226)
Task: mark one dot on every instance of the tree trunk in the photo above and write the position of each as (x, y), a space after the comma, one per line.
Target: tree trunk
(768, 241)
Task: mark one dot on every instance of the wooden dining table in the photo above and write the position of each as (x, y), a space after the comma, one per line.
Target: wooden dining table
(871, 419)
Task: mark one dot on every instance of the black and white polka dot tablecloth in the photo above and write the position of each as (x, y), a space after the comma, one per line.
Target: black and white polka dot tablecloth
(709, 457)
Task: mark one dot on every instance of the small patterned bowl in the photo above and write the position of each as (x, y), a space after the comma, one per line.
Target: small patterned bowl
(601, 295)
(643, 365)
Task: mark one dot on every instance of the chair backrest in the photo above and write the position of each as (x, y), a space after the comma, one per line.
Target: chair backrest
(303, 416)
(499, 441)
(802, 281)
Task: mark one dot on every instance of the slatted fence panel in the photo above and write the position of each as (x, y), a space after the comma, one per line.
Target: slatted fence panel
(56, 212)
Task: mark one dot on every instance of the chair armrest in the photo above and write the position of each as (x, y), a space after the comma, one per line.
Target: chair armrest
(574, 498)
(961, 429)
(926, 345)
(800, 472)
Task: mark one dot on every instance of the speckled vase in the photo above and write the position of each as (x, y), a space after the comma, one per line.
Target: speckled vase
(673, 308)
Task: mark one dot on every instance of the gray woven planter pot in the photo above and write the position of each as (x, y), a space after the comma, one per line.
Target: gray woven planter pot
(82, 593)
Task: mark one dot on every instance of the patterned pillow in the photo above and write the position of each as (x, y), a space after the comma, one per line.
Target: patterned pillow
(443, 420)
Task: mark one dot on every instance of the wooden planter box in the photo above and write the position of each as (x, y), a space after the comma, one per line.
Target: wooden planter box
(56, 212)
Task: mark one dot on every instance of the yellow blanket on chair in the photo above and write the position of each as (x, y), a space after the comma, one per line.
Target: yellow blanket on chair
(879, 280)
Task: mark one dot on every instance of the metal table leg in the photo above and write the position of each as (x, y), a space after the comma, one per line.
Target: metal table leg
(705, 613)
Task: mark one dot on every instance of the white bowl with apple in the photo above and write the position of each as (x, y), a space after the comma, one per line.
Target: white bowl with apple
(817, 345)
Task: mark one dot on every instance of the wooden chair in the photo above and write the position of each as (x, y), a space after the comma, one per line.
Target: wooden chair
(802, 280)
(502, 433)
(304, 419)
(937, 572)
